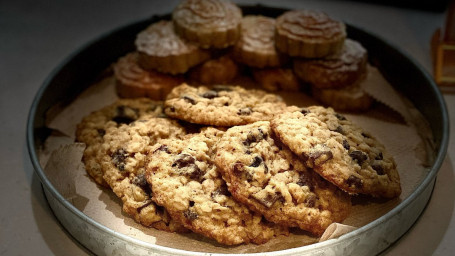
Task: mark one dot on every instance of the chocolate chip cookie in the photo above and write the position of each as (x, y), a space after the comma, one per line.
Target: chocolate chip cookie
(267, 177)
(93, 127)
(123, 161)
(340, 151)
(186, 182)
(221, 105)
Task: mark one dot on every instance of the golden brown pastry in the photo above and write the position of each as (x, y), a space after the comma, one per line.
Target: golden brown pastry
(209, 23)
(310, 34)
(162, 50)
(276, 79)
(134, 82)
(216, 71)
(335, 71)
(256, 45)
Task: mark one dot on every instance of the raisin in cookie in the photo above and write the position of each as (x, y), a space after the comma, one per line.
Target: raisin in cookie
(267, 177)
(123, 161)
(93, 127)
(221, 105)
(186, 182)
(339, 151)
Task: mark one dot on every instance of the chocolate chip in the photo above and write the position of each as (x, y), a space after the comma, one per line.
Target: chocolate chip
(346, 145)
(219, 88)
(339, 129)
(101, 132)
(304, 111)
(365, 135)
(305, 180)
(140, 180)
(119, 158)
(191, 203)
(162, 148)
(125, 115)
(172, 109)
(222, 190)
(190, 215)
(189, 99)
(358, 156)
(310, 200)
(379, 156)
(378, 168)
(319, 155)
(270, 199)
(256, 162)
(245, 111)
(253, 137)
(340, 117)
(186, 165)
(354, 181)
(209, 94)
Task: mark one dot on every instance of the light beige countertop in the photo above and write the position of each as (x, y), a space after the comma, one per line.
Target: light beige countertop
(35, 36)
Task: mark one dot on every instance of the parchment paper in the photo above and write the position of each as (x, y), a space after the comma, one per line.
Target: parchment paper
(62, 160)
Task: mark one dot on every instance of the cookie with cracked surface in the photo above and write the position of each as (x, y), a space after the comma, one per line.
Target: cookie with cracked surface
(267, 177)
(162, 50)
(134, 82)
(221, 105)
(123, 161)
(208, 23)
(339, 150)
(92, 128)
(189, 186)
(338, 70)
(256, 45)
(308, 34)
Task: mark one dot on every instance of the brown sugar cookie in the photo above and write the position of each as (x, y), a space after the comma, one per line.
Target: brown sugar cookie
(256, 45)
(222, 105)
(276, 79)
(335, 71)
(208, 23)
(134, 82)
(349, 98)
(309, 34)
(221, 70)
(340, 151)
(187, 184)
(162, 50)
(93, 127)
(123, 159)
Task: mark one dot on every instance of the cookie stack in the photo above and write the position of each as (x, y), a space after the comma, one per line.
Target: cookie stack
(233, 164)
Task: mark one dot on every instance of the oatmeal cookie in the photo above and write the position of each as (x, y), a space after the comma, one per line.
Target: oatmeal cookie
(267, 177)
(221, 105)
(340, 151)
(123, 160)
(92, 128)
(186, 182)
(308, 34)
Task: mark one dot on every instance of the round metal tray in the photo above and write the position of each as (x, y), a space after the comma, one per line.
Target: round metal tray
(82, 68)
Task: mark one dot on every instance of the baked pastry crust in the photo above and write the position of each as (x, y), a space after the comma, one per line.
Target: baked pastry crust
(276, 79)
(161, 49)
(208, 23)
(310, 34)
(134, 82)
(335, 71)
(256, 45)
